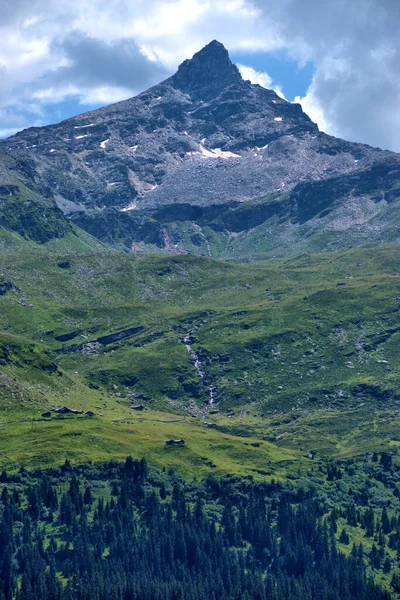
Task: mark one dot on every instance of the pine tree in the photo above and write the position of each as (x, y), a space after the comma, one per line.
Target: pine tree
(344, 537)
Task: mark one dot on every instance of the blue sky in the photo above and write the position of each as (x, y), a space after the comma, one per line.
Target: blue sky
(339, 59)
(290, 76)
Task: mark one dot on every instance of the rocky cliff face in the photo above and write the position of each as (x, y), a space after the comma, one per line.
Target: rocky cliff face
(208, 163)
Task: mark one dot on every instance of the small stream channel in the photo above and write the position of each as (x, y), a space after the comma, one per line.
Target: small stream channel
(199, 369)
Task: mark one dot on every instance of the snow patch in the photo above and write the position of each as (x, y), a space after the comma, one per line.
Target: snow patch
(214, 153)
(217, 153)
(52, 150)
(129, 207)
(150, 188)
(104, 143)
(134, 148)
(278, 119)
(83, 126)
(79, 137)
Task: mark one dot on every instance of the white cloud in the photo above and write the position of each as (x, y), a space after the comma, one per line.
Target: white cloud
(52, 95)
(260, 77)
(278, 92)
(105, 95)
(254, 76)
(6, 132)
(313, 109)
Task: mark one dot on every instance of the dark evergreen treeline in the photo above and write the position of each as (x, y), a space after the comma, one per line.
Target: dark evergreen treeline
(120, 533)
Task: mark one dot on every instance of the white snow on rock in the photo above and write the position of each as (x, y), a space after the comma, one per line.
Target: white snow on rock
(104, 143)
(213, 153)
(150, 188)
(83, 126)
(79, 137)
(278, 119)
(134, 148)
(52, 150)
(218, 153)
(129, 207)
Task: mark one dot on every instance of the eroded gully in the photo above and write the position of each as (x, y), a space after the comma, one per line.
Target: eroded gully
(199, 369)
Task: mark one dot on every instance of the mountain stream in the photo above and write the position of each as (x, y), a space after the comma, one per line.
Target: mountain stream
(199, 369)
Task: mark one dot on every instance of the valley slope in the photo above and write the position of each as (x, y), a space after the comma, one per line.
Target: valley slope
(301, 354)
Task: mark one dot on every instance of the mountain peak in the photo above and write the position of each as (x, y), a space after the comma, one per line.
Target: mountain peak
(207, 72)
(212, 49)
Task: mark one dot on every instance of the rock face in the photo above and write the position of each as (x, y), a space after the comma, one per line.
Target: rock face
(206, 162)
(207, 74)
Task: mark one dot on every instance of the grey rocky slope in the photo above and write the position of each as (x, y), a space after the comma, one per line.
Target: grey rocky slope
(208, 163)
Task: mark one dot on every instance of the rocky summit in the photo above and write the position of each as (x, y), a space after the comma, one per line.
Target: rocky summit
(203, 163)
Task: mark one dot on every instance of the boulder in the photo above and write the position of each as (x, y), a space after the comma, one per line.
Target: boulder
(62, 410)
(175, 442)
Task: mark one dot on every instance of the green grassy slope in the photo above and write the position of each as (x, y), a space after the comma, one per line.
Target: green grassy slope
(302, 355)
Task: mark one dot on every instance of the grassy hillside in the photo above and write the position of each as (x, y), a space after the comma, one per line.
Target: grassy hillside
(301, 354)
